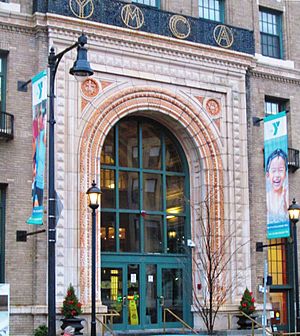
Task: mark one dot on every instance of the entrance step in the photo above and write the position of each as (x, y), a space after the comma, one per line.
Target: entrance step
(179, 332)
(153, 332)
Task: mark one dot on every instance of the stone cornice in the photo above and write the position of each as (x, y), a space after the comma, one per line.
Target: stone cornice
(102, 35)
(290, 77)
(22, 23)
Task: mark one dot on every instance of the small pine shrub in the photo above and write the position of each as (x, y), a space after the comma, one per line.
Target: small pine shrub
(71, 306)
(247, 303)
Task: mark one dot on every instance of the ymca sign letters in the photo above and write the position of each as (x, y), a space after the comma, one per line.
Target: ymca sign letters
(135, 17)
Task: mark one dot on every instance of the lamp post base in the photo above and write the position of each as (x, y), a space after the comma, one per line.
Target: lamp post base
(298, 324)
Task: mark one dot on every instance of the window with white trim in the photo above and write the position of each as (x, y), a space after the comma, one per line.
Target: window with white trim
(270, 33)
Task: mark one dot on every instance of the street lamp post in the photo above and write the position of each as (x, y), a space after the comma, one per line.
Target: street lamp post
(81, 68)
(294, 213)
(93, 201)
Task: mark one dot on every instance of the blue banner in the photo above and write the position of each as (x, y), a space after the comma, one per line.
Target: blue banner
(39, 119)
(276, 172)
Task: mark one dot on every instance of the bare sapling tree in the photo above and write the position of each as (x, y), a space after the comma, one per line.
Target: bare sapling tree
(211, 260)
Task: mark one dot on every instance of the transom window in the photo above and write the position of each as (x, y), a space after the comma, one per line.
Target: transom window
(154, 3)
(212, 10)
(270, 33)
(274, 106)
(143, 180)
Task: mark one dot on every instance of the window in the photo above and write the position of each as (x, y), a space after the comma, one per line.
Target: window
(2, 231)
(277, 261)
(274, 106)
(144, 185)
(153, 3)
(270, 33)
(212, 10)
(2, 82)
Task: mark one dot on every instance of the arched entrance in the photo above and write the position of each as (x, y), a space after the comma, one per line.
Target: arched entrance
(198, 137)
(145, 225)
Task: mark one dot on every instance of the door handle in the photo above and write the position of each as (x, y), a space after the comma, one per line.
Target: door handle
(161, 300)
(124, 300)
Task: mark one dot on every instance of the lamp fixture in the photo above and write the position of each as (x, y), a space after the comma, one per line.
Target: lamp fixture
(294, 211)
(94, 194)
(81, 68)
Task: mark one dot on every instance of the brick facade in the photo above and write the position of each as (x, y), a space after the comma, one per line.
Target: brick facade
(137, 72)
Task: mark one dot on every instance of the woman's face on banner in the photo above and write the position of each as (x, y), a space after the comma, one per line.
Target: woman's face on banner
(277, 173)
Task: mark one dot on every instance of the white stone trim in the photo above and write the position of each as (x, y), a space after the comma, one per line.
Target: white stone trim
(11, 7)
(275, 62)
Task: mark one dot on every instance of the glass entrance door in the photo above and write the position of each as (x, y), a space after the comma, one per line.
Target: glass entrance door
(171, 301)
(280, 310)
(139, 294)
(112, 294)
(120, 292)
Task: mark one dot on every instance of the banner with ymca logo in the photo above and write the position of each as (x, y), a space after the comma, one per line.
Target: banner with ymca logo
(39, 119)
(276, 172)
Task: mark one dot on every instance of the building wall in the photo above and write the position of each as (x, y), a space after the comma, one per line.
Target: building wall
(281, 87)
(25, 263)
(169, 84)
(126, 62)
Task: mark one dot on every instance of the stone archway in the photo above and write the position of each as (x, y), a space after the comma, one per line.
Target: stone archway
(166, 106)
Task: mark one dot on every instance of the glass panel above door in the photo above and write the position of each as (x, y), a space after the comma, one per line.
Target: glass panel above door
(151, 147)
(108, 232)
(173, 160)
(175, 194)
(145, 187)
(129, 233)
(108, 150)
(108, 185)
(153, 234)
(175, 234)
(129, 190)
(128, 144)
(152, 192)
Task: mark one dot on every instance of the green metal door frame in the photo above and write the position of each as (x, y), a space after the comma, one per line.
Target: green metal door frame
(166, 258)
(116, 265)
(186, 293)
(161, 263)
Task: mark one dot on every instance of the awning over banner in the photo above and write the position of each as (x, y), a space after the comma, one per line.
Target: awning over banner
(276, 170)
(39, 119)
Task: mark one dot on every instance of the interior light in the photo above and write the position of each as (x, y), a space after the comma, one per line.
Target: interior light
(175, 210)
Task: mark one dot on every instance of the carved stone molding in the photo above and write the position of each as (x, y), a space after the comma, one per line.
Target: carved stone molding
(164, 103)
(274, 77)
